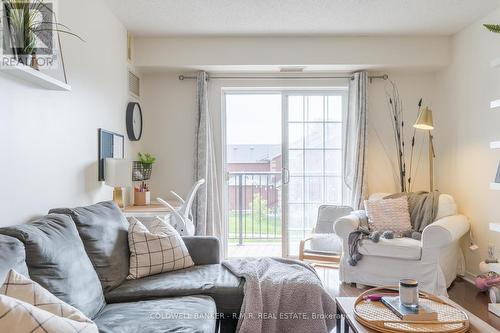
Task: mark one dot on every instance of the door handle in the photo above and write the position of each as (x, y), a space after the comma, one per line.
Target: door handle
(286, 176)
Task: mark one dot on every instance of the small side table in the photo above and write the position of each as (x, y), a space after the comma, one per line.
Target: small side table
(345, 315)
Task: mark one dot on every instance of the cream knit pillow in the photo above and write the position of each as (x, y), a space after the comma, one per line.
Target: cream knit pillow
(157, 250)
(29, 307)
(388, 214)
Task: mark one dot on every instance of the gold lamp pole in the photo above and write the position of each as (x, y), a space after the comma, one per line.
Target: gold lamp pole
(424, 122)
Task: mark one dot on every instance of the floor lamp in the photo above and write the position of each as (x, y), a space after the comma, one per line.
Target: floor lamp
(424, 122)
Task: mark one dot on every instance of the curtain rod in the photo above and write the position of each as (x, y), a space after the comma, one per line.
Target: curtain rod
(260, 77)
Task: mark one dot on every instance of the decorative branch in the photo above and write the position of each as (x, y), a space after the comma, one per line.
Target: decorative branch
(396, 113)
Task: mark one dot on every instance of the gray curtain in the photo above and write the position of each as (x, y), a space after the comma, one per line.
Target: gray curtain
(207, 207)
(355, 140)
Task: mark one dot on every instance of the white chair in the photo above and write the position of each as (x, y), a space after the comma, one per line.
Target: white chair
(434, 261)
(181, 219)
(324, 247)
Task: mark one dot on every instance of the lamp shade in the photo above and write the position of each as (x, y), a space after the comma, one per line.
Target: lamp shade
(117, 172)
(424, 120)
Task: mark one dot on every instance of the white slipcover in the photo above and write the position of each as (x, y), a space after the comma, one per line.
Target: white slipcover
(435, 261)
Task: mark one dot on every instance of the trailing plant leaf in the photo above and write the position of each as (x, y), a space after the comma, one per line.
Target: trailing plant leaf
(493, 27)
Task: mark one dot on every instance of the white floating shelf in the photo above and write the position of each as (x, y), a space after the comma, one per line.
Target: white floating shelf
(495, 63)
(495, 227)
(495, 104)
(495, 186)
(495, 145)
(38, 78)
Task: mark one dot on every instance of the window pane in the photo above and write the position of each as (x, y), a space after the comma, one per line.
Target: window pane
(296, 190)
(313, 189)
(315, 110)
(313, 162)
(295, 216)
(333, 162)
(333, 135)
(295, 135)
(334, 190)
(334, 111)
(296, 162)
(295, 108)
(314, 135)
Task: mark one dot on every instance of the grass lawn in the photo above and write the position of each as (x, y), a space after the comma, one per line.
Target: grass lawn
(269, 225)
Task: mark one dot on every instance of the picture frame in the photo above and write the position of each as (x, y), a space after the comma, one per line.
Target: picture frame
(111, 145)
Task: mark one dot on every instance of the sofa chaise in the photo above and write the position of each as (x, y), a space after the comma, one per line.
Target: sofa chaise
(81, 255)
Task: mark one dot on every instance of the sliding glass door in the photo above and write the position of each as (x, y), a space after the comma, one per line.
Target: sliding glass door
(312, 157)
(283, 159)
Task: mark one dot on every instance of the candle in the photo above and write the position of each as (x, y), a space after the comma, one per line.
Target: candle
(408, 292)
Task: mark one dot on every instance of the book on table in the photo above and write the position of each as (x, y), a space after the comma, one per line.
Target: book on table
(419, 313)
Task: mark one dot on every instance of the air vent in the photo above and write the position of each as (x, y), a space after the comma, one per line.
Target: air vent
(134, 84)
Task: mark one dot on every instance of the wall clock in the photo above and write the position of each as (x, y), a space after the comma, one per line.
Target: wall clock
(134, 121)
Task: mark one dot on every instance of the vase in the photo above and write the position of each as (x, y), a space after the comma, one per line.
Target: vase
(34, 61)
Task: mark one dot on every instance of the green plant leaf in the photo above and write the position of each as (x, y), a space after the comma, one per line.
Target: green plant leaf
(493, 27)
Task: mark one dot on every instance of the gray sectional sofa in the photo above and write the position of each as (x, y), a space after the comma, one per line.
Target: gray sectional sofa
(81, 255)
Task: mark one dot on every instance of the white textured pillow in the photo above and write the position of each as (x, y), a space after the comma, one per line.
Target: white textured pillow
(157, 250)
(388, 214)
(29, 307)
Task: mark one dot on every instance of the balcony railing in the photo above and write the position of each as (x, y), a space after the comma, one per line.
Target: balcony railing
(254, 206)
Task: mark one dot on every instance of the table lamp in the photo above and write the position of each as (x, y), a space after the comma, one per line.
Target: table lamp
(425, 122)
(118, 174)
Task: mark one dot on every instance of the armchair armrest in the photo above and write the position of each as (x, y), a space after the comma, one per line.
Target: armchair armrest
(445, 231)
(347, 224)
(204, 250)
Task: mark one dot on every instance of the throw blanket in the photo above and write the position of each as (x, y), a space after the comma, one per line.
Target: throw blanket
(282, 295)
(422, 206)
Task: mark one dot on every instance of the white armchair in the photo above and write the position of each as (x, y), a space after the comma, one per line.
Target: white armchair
(434, 261)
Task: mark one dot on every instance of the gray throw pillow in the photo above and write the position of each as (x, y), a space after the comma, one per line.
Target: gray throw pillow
(12, 256)
(57, 260)
(104, 232)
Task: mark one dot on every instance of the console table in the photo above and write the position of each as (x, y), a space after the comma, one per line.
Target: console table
(147, 213)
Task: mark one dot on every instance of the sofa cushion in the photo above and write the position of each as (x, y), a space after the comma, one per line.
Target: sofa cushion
(327, 243)
(103, 229)
(12, 256)
(401, 248)
(212, 280)
(180, 314)
(57, 260)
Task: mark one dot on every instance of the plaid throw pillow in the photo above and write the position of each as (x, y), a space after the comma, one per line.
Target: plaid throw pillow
(29, 307)
(388, 214)
(157, 250)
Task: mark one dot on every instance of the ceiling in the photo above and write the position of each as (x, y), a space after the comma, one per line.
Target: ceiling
(298, 17)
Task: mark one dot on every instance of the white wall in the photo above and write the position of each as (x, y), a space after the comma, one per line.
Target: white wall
(464, 91)
(49, 139)
(340, 52)
(169, 107)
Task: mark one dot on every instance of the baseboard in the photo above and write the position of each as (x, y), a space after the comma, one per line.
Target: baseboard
(469, 277)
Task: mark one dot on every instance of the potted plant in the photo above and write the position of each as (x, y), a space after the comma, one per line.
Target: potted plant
(143, 167)
(27, 23)
(493, 27)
